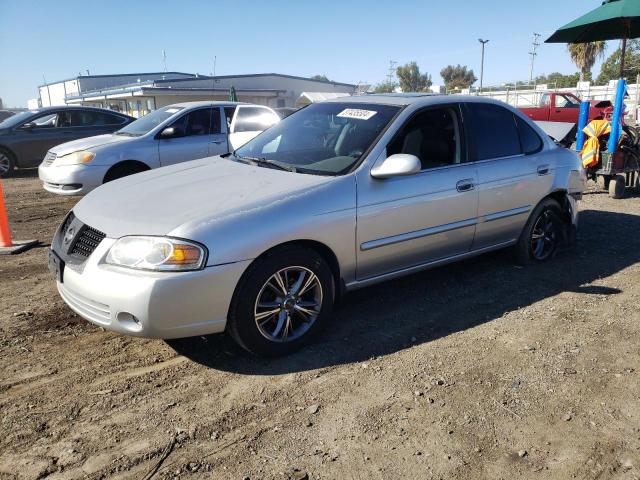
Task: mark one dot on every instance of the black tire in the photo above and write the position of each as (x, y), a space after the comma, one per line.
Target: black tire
(527, 250)
(7, 163)
(242, 324)
(617, 186)
(124, 169)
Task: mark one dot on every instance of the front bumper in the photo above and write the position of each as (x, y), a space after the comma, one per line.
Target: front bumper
(150, 304)
(71, 179)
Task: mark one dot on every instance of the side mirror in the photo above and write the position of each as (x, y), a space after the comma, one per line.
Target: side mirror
(170, 132)
(28, 126)
(400, 164)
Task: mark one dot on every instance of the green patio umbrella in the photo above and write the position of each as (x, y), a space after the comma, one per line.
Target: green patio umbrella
(614, 19)
(232, 94)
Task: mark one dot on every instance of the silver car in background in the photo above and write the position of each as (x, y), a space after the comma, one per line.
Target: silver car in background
(337, 196)
(172, 134)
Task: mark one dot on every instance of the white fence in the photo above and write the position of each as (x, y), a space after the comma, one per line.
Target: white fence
(524, 96)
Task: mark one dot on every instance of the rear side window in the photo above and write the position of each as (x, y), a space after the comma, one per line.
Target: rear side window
(228, 113)
(493, 132)
(529, 139)
(253, 119)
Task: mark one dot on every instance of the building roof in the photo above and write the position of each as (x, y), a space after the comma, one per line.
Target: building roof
(141, 74)
(193, 76)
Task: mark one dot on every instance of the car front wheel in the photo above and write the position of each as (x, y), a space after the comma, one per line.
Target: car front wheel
(541, 235)
(282, 300)
(6, 164)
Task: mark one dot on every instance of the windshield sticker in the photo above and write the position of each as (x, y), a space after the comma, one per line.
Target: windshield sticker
(356, 113)
(172, 110)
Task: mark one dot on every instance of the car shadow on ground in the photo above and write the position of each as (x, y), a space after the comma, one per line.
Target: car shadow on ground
(395, 315)
(24, 173)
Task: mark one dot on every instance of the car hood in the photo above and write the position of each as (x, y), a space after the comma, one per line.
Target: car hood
(89, 143)
(159, 201)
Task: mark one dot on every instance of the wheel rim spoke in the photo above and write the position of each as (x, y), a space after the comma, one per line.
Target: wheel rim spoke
(265, 315)
(310, 281)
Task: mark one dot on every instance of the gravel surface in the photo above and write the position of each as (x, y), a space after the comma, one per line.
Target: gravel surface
(477, 370)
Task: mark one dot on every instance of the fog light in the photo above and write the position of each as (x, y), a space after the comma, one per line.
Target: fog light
(129, 321)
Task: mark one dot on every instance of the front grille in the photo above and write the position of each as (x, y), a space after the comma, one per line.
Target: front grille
(49, 159)
(87, 241)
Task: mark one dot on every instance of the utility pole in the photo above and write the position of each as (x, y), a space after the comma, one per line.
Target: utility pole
(483, 42)
(534, 47)
(164, 60)
(392, 70)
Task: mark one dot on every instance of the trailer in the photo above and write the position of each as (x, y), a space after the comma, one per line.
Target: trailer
(618, 171)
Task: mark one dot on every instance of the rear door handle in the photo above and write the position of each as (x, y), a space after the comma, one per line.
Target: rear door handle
(543, 169)
(465, 185)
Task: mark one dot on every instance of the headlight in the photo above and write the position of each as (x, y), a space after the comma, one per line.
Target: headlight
(76, 158)
(157, 253)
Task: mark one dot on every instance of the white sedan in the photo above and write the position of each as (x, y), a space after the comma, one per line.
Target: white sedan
(172, 134)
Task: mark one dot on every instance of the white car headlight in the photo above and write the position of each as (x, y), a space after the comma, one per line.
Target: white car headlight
(157, 253)
(76, 158)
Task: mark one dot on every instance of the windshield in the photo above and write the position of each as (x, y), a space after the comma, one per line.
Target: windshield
(325, 138)
(149, 122)
(17, 119)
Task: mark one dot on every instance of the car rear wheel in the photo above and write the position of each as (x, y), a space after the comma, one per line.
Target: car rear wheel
(281, 302)
(541, 235)
(7, 164)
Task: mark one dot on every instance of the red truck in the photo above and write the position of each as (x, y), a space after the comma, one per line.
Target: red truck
(565, 107)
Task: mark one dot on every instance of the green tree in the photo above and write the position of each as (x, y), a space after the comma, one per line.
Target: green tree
(584, 55)
(411, 80)
(384, 87)
(457, 77)
(322, 78)
(561, 80)
(610, 69)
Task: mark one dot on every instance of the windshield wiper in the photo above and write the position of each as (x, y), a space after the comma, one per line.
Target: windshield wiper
(127, 134)
(266, 161)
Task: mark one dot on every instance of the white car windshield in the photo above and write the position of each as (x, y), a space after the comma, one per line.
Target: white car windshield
(323, 138)
(149, 122)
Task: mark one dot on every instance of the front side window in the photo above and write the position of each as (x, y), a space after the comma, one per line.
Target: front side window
(493, 131)
(194, 123)
(254, 119)
(324, 138)
(147, 123)
(433, 136)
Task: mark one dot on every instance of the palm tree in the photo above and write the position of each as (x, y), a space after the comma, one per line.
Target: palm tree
(584, 55)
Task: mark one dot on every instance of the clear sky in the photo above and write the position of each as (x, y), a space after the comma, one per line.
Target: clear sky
(348, 40)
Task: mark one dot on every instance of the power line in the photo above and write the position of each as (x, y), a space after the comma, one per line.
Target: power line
(391, 74)
(533, 53)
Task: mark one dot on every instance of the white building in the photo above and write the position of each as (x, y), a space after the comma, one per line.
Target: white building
(138, 93)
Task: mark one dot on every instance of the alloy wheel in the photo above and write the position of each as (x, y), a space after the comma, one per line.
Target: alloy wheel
(288, 304)
(544, 236)
(5, 163)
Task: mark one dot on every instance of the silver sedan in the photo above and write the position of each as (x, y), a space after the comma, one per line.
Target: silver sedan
(340, 195)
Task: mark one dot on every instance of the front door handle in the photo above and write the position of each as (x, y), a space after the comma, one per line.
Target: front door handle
(543, 169)
(218, 142)
(465, 185)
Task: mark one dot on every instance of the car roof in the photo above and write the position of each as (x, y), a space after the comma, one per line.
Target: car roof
(422, 99)
(75, 107)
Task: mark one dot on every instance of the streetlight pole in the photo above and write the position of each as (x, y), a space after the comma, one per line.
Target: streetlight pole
(483, 42)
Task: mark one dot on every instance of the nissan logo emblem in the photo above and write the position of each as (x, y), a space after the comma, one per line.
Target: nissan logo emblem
(68, 235)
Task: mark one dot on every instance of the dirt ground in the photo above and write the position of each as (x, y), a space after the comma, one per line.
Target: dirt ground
(477, 370)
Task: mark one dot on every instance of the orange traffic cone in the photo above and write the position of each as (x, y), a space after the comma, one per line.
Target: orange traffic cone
(7, 246)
